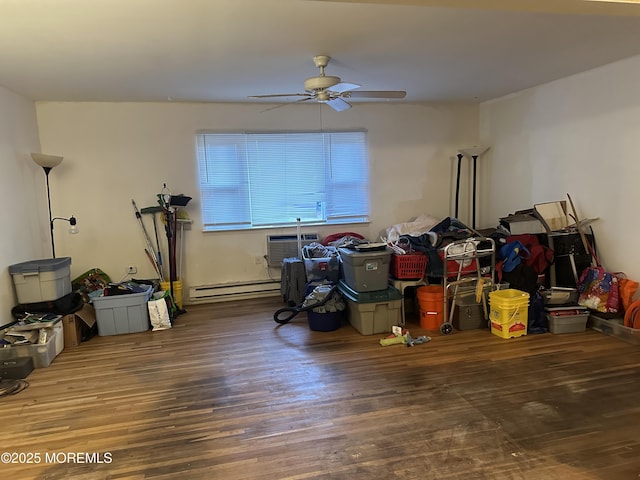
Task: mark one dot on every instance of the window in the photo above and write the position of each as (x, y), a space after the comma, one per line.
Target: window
(257, 180)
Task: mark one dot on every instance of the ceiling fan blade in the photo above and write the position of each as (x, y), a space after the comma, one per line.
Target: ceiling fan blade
(281, 95)
(343, 87)
(338, 104)
(376, 94)
(287, 103)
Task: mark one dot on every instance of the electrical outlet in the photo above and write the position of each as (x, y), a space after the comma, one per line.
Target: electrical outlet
(132, 269)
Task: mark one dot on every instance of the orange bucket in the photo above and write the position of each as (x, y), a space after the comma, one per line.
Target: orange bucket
(431, 302)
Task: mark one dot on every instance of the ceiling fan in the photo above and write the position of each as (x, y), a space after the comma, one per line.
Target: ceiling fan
(332, 90)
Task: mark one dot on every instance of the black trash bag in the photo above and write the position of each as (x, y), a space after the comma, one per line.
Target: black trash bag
(523, 278)
(70, 303)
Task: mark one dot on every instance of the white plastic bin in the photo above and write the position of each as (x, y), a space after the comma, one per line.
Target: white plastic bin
(322, 268)
(42, 354)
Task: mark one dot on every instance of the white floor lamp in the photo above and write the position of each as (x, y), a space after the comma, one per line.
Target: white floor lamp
(48, 162)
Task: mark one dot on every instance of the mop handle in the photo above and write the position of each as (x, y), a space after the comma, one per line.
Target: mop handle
(299, 238)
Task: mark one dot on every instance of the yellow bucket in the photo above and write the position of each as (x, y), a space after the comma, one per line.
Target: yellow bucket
(177, 291)
(509, 312)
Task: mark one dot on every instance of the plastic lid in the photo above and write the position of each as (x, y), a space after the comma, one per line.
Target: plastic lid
(43, 265)
(387, 295)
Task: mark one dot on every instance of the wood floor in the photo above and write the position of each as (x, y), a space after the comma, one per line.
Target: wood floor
(229, 394)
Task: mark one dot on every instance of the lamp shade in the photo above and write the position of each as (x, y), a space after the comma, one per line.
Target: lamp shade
(46, 161)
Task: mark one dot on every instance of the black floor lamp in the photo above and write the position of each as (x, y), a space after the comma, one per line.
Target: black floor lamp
(474, 153)
(48, 162)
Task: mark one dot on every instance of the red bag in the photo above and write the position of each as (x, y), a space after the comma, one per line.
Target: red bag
(540, 256)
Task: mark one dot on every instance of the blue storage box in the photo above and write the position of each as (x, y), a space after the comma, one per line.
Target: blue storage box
(119, 314)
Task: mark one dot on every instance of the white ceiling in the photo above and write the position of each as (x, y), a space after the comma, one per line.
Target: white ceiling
(225, 50)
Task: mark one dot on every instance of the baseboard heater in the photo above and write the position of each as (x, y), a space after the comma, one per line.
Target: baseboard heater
(233, 291)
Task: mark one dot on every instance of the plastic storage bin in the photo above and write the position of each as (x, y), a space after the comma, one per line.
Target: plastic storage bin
(42, 280)
(389, 293)
(509, 312)
(366, 271)
(614, 327)
(120, 314)
(568, 323)
(322, 268)
(325, 322)
(376, 316)
(42, 354)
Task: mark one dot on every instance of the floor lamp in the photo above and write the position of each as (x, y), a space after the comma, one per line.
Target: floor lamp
(474, 153)
(48, 162)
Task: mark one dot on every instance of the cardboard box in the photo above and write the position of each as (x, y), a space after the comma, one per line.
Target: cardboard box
(79, 326)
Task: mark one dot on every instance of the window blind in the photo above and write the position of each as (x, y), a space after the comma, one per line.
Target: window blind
(254, 180)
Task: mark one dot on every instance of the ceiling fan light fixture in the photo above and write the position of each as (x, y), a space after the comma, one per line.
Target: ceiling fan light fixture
(322, 96)
(319, 83)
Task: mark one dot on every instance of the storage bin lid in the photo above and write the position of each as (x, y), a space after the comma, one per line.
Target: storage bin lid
(364, 255)
(387, 295)
(127, 299)
(37, 266)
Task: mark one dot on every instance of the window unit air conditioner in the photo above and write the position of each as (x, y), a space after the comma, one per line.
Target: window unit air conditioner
(280, 247)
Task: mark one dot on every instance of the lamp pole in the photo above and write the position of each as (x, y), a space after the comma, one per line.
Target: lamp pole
(53, 246)
(47, 162)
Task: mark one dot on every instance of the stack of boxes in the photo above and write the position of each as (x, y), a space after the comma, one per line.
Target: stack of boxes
(373, 305)
(408, 271)
(35, 282)
(322, 267)
(564, 315)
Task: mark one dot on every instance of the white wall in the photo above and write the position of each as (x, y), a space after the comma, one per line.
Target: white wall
(24, 232)
(578, 135)
(118, 152)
